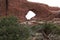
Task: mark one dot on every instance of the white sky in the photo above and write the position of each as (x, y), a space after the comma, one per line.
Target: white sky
(49, 2)
(55, 3)
(30, 14)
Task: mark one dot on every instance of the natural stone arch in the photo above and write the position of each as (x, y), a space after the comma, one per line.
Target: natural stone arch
(20, 8)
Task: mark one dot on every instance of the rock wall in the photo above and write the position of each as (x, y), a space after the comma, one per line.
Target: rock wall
(2, 7)
(19, 8)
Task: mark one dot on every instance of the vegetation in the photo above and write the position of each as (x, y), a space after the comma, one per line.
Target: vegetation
(47, 30)
(11, 29)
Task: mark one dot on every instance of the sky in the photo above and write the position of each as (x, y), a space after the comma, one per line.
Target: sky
(30, 14)
(49, 2)
(54, 3)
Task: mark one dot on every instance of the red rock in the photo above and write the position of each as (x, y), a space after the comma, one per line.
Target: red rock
(20, 8)
(2, 7)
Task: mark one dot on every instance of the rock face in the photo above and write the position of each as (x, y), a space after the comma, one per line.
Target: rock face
(20, 8)
(2, 7)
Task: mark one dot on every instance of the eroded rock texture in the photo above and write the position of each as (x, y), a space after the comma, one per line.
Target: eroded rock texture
(20, 8)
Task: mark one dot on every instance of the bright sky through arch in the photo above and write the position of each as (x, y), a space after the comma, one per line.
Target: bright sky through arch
(30, 14)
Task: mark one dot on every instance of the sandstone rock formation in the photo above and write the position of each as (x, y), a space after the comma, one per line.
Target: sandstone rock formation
(19, 8)
(2, 7)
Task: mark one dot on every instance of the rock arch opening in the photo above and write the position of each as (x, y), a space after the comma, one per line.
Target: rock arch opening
(30, 15)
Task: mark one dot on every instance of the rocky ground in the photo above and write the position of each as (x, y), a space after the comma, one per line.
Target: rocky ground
(34, 22)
